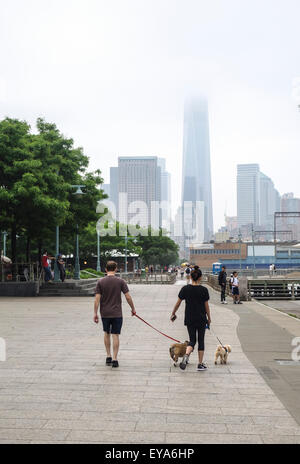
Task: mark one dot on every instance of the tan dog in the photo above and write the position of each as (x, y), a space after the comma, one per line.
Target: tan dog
(222, 352)
(178, 351)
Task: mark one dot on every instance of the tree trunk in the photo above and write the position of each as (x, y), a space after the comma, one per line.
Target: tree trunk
(40, 252)
(28, 250)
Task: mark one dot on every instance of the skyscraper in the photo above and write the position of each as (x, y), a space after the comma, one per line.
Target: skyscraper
(165, 195)
(139, 178)
(248, 194)
(290, 204)
(269, 201)
(196, 170)
(257, 198)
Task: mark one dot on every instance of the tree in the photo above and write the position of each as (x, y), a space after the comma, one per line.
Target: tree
(37, 172)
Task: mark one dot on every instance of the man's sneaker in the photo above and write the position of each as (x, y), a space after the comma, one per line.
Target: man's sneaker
(225, 302)
(222, 302)
(108, 361)
(115, 364)
(201, 367)
(184, 362)
(240, 302)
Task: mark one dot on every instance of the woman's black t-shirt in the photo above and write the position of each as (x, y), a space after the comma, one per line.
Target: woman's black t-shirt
(195, 296)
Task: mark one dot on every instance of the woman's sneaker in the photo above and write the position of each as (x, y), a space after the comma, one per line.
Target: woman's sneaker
(184, 362)
(115, 364)
(201, 367)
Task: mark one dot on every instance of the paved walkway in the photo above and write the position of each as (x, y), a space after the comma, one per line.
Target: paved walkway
(55, 388)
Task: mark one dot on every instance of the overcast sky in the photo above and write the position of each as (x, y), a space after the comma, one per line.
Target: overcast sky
(113, 74)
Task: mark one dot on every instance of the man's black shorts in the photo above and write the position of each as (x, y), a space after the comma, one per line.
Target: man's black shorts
(235, 291)
(112, 325)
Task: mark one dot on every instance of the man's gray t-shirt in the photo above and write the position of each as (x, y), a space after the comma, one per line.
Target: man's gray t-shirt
(110, 289)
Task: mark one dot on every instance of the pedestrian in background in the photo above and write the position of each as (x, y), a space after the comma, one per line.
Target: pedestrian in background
(222, 283)
(46, 260)
(61, 267)
(235, 289)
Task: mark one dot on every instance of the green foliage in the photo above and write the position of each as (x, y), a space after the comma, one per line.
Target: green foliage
(85, 275)
(36, 175)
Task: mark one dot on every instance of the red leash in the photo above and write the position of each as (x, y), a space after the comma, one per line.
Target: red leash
(157, 329)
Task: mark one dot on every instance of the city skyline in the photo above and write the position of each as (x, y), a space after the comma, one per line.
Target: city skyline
(121, 89)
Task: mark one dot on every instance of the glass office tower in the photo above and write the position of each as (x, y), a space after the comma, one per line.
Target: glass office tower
(196, 169)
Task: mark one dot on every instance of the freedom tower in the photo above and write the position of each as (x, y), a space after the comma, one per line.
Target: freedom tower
(196, 171)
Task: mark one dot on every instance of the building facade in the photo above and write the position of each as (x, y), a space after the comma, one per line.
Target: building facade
(196, 168)
(248, 194)
(246, 255)
(139, 190)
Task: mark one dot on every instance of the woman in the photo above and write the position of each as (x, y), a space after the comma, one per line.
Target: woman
(61, 267)
(197, 316)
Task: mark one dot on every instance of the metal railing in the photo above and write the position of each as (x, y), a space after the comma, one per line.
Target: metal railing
(279, 289)
(23, 272)
(148, 278)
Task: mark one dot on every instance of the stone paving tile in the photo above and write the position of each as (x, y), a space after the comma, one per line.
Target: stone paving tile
(280, 440)
(275, 421)
(32, 434)
(21, 423)
(94, 424)
(255, 412)
(208, 419)
(14, 442)
(117, 437)
(263, 429)
(213, 438)
(38, 414)
(183, 427)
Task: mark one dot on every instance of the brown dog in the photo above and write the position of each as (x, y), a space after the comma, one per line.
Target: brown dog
(222, 353)
(178, 351)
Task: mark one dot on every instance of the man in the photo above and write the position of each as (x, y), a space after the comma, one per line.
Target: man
(235, 289)
(45, 263)
(222, 283)
(108, 295)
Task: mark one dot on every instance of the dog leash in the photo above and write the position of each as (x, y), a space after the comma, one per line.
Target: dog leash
(165, 335)
(208, 326)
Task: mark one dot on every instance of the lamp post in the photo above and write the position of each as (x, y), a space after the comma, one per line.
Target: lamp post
(126, 243)
(98, 253)
(79, 193)
(126, 250)
(56, 270)
(4, 242)
(253, 251)
(240, 236)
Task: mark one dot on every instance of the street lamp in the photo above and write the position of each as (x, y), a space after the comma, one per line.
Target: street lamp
(253, 251)
(240, 236)
(4, 242)
(56, 269)
(79, 193)
(98, 253)
(126, 243)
